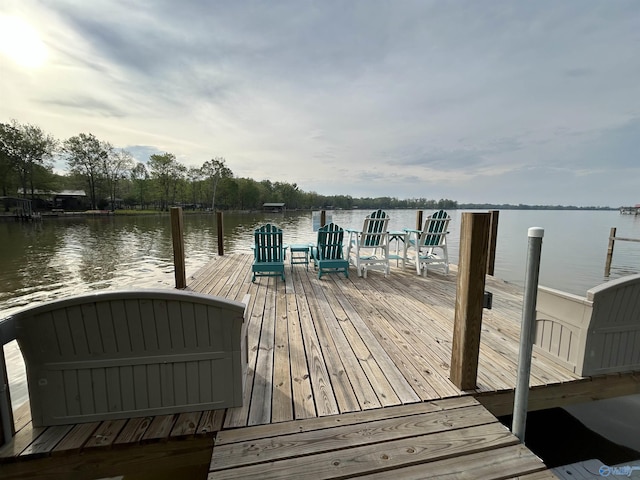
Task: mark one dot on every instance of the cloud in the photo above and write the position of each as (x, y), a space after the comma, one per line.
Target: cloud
(492, 101)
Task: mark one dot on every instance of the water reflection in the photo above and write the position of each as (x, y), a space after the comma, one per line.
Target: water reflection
(59, 257)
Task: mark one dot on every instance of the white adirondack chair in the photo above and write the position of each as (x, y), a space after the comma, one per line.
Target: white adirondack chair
(422, 244)
(369, 247)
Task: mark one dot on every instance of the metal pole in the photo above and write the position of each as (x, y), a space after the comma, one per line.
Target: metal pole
(526, 332)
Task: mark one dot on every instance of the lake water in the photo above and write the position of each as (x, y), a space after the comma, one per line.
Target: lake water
(64, 256)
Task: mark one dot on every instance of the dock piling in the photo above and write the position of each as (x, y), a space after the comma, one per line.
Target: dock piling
(219, 224)
(177, 234)
(474, 239)
(493, 238)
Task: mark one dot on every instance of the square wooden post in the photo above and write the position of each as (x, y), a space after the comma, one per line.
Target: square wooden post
(493, 239)
(177, 234)
(220, 227)
(472, 267)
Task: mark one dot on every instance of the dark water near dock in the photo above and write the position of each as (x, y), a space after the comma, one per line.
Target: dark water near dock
(58, 257)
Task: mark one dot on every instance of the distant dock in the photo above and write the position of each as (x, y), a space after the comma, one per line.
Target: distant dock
(635, 210)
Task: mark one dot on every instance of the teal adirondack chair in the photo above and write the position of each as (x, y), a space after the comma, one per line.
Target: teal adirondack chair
(369, 247)
(425, 242)
(327, 255)
(268, 252)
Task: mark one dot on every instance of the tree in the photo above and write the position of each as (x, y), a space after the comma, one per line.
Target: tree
(140, 177)
(30, 147)
(215, 169)
(9, 136)
(166, 171)
(86, 156)
(194, 176)
(115, 167)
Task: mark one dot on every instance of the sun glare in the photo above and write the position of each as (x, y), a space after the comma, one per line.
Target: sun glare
(21, 42)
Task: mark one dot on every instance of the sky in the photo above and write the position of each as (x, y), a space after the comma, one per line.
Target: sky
(532, 102)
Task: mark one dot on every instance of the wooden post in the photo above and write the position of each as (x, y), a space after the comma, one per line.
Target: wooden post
(419, 220)
(472, 266)
(177, 234)
(612, 241)
(220, 233)
(493, 238)
(323, 218)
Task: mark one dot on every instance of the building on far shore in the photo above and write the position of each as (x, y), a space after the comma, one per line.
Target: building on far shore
(635, 210)
(274, 207)
(62, 200)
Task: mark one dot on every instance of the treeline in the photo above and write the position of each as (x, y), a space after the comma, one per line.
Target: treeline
(520, 206)
(112, 178)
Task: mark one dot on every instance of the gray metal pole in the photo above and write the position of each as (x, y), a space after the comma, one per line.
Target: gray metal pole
(526, 332)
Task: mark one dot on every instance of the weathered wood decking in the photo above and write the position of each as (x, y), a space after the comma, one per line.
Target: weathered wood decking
(345, 376)
(337, 345)
(452, 438)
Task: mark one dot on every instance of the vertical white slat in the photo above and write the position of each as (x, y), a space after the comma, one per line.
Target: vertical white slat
(140, 386)
(127, 387)
(167, 384)
(175, 324)
(91, 328)
(555, 338)
(162, 325)
(188, 325)
(107, 327)
(134, 325)
(193, 382)
(180, 382)
(85, 391)
(564, 349)
(121, 326)
(78, 336)
(216, 322)
(206, 377)
(71, 393)
(153, 385)
(99, 388)
(148, 325)
(62, 333)
(114, 389)
(222, 370)
(202, 326)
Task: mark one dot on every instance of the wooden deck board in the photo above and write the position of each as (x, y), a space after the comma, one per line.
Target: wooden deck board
(434, 439)
(324, 356)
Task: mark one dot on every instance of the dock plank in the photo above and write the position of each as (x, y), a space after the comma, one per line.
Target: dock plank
(378, 457)
(282, 398)
(345, 436)
(490, 465)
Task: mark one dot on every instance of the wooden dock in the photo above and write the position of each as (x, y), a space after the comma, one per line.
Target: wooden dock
(345, 376)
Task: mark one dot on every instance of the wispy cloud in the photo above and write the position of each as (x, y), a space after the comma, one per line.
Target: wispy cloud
(493, 101)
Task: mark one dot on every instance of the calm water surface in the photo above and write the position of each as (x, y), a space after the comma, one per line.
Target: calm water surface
(59, 257)
(64, 256)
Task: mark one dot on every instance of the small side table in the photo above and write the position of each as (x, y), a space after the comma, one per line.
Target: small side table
(299, 255)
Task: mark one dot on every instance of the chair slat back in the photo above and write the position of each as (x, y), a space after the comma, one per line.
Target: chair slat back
(435, 229)
(374, 229)
(330, 239)
(268, 244)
